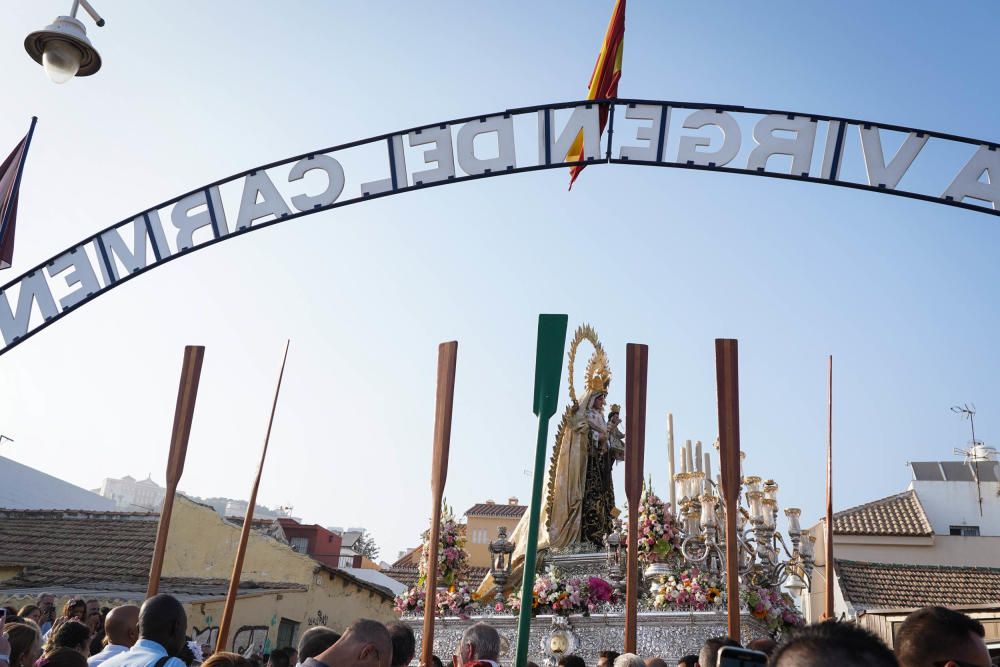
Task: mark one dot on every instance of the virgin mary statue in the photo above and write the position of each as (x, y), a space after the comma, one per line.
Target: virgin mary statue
(580, 497)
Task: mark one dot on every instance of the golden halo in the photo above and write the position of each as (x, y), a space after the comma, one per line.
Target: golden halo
(598, 373)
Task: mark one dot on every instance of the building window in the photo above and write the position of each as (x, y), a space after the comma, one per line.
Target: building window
(300, 544)
(965, 531)
(480, 536)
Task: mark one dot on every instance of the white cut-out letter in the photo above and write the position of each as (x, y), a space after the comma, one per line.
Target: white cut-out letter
(731, 139)
(800, 149)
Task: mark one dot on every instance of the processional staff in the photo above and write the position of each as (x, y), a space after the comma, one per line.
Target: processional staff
(447, 359)
(187, 394)
(727, 379)
(241, 550)
(636, 363)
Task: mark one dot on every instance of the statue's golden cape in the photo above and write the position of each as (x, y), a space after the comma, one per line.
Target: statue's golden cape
(562, 512)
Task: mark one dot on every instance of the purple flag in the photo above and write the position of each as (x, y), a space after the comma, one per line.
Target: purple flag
(10, 183)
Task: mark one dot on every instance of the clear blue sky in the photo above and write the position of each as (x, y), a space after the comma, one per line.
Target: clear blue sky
(902, 293)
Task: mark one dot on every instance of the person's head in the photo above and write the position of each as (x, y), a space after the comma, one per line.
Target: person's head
(62, 657)
(365, 643)
(162, 619)
(71, 634)
(479, 642)
(833, 644)
(629, 660)
(606, 658)
(25, 644)
(226, 659)
(404, 644)
(278, 658)
(32, 612)
(75, 608)
(122, 625)
(571, 661)
(316, 640)
(765, 645)
(599, 401)
(93, 608)
(437, 661)
(46, 602)
(940, 636)
(653, 661)
(688, 661)
(709, 655)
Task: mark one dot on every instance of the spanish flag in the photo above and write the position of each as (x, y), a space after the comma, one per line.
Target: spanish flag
(604, 80)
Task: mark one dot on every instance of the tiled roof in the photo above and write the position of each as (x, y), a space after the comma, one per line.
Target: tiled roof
(113, 549)
(408, 575)
(900, 515)
(496, 509)
(71, 547)
(890, 585)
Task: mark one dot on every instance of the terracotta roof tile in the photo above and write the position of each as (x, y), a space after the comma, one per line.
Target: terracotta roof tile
(899, 515)
(408, 575)
(496, 509)
(890, 585)
(62, 547)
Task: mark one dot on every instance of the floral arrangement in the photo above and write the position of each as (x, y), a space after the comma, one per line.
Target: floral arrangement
(658, 530)
(773, 607)
(554, 594)
(688, 589)
(454, 597)
(455, 601)
(411, 601)
(452, 556)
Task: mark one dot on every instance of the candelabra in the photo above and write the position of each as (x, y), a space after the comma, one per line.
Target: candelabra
(764, 556)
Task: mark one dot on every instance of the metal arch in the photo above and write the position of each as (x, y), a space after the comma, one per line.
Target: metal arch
(102, 252)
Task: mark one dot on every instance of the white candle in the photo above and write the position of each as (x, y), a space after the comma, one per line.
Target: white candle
(697, 456)
(670, 461)
(688, 456)
(708, 467)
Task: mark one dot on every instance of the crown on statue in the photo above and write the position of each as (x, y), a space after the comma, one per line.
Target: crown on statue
(616, 408)
(600, 380)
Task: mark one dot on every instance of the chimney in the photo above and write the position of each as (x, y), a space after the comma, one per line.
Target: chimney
(512, 500)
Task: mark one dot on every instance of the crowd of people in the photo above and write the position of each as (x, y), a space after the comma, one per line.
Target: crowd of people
(155, 636)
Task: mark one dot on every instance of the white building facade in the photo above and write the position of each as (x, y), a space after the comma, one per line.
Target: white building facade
(133, 496)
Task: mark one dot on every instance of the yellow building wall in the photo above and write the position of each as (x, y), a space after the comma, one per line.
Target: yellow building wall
(479, 553)
(203, 545)
(9, 571)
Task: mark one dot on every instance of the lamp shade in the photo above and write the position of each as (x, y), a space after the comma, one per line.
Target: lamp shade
(62, 45)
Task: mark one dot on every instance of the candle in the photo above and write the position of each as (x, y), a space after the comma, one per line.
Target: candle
(689, 455)
(697, 456)
(708, 466)
(670, 461)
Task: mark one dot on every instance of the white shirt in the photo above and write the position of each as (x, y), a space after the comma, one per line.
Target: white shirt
(145, 653)
(110, 651)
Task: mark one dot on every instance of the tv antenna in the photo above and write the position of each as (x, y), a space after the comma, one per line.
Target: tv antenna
(976, 451)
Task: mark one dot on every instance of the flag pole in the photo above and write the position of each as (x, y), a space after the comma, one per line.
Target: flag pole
(728, 388)
(447, 359)
(187, 394)
(548, 368)
(636, 365)
(234, 580)
(829, 489)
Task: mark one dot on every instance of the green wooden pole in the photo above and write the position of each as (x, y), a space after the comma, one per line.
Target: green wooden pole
(548, 369)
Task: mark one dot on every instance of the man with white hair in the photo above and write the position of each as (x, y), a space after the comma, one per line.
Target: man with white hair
(629, 660)
(480, 646)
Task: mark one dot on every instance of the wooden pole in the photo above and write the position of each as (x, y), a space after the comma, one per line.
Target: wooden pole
(241, 550)
(447, 358)
(548, 368)
(187, 394)
(728, 387)
(636, 363)
(829, 490)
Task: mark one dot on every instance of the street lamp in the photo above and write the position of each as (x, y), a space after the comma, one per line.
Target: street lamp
(63, 49)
